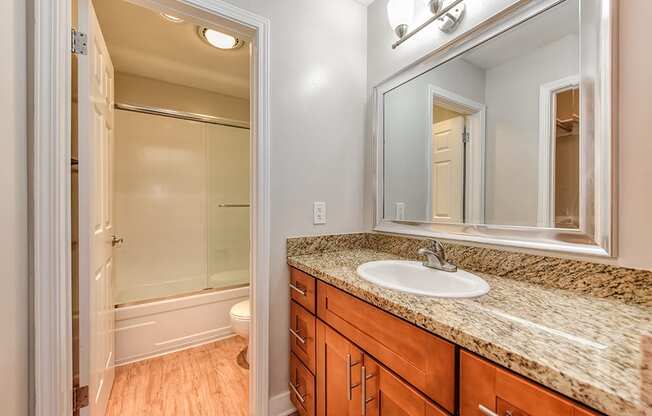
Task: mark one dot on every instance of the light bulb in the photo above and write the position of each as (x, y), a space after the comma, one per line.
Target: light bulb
(220, 40)
(433, 5)
(400, 14)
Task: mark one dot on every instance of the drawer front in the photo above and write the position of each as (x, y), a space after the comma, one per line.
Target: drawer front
(424, 360)
(486, 390)
(302, 387)
(302, 289)
(302, 335)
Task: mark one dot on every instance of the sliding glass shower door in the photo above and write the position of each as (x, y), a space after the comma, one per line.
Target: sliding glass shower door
(181, 202)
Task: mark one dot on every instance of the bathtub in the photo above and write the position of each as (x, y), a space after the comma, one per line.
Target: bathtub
(148, 329)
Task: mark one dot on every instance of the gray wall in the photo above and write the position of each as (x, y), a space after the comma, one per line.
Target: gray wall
(13, 209)
(318, 54)
(512, 142)
(407, 133)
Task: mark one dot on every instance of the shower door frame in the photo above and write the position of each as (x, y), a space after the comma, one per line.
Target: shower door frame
(50, 82)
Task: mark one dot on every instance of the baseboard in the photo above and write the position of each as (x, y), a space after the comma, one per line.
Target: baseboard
(281, 405)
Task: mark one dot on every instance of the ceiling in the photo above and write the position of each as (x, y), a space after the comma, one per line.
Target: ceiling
(554, 24)
(141, 42)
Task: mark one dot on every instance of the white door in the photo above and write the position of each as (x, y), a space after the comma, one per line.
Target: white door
(448, 170)
(95, 135)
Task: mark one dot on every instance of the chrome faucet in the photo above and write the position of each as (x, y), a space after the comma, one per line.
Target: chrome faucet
(436, 258)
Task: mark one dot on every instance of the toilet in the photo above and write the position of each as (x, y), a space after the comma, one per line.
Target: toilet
(240, 319)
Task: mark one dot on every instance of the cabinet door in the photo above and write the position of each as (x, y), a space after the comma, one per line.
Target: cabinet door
(487, 390)
(338, 374)
(387, 395)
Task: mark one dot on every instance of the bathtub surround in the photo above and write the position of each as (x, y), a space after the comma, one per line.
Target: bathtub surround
(584, 345)
(630, 286)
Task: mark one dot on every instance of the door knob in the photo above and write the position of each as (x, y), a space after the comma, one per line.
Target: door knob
(117, 241)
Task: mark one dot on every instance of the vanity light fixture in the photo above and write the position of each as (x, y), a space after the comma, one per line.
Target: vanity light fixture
(219, 39)
(447, 17)
(400, 14)
(434, 5)
(171, 18)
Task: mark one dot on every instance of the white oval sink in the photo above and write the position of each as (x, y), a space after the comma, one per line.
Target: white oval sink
(414, 277)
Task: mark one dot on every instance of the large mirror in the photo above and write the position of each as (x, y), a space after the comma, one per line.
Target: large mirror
(500, 134)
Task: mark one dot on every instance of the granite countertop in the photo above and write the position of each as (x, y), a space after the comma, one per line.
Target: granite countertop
(587, 348)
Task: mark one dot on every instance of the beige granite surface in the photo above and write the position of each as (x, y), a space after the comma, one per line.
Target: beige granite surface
(586, 347)
(626, 285)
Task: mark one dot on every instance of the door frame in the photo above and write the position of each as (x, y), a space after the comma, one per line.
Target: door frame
(474, 152)
(50, 191)
(547, 147)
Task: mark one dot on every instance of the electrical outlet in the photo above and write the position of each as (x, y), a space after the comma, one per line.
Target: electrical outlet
(319, 213)
(400, 211)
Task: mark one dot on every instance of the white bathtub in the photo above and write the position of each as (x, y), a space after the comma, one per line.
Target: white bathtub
(148, 329)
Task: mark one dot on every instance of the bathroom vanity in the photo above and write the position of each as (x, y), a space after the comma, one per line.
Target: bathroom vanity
(352, 358)
(522, 349)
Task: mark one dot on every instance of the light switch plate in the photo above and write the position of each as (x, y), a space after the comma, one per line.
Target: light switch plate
(319, 213)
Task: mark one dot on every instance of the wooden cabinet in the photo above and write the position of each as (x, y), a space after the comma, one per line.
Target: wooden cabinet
(345, 375)
(388, 395)
(302, 335)
(339, 364)
(302, 289)
(354, 359)
(302, 387)
(424, 360)
(487, 390)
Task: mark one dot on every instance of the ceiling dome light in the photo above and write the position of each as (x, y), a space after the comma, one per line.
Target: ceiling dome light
(220, 40)
(171, 18)
(400, 14)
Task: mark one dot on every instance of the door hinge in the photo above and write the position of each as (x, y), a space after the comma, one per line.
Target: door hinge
(79, 43)
(79, 397)
(466, 137)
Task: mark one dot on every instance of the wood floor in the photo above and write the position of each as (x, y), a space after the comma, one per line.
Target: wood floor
(205, 380)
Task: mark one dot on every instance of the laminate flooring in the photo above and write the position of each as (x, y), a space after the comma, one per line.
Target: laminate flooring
(201, 381)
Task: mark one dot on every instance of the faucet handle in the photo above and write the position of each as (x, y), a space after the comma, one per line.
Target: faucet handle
(438, 247)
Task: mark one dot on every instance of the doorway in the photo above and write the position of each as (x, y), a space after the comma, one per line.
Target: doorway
(53, 200)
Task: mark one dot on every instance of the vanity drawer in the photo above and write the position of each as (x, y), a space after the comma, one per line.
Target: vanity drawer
(487, 390)
(302, 387)
(302, 335)
(424, 360)
(302, 289)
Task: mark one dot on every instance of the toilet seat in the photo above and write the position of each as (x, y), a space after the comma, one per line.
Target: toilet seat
(241, 311)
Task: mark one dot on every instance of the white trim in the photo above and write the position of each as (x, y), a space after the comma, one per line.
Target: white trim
(50, 232)
(50, 209)
(547, 128)
(477, 112)
(281, 405)
(598, 127)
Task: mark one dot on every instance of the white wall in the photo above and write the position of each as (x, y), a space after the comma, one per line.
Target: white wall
(407, 133)
(318, 51)
(14, 301)
(137, 90)
(635, 94)
(512, 98)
